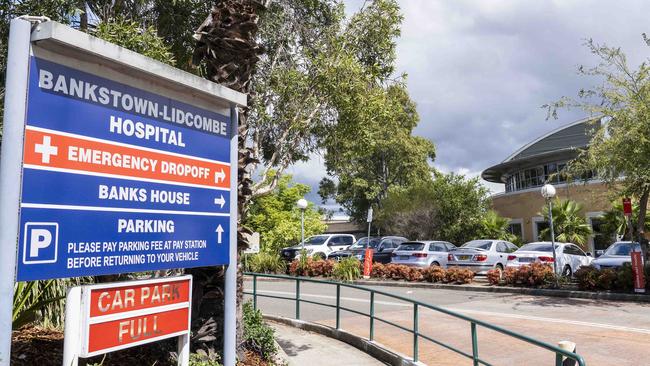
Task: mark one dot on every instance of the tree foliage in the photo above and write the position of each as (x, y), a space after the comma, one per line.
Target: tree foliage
(569, 223)
(449, 207)
(619, 150)
(494, 226)
(614, 223)
(277, 219)
(129, 34)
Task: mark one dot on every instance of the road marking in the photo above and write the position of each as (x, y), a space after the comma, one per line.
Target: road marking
(478, 312)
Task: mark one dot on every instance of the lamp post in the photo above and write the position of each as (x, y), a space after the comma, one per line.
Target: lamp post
(548, 192)
(302, 205)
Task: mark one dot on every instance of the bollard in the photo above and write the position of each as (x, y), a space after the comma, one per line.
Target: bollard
(570, 347)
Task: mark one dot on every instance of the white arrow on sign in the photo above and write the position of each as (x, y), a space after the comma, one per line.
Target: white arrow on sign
(220, 201)
(219, 176)
(219, 232)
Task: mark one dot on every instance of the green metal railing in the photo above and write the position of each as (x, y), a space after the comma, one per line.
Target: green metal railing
(415, 331)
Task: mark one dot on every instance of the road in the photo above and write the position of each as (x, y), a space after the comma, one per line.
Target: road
(606, 333)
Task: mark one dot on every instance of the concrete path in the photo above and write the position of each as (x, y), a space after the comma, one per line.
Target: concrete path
(306, 348)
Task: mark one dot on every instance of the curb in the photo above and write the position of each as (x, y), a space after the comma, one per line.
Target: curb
(569, 294)
(372, 348)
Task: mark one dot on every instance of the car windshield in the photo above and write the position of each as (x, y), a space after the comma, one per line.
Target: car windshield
(538, 247)
(316, 240)
(479, 244)
(363, 243)
(621, 249)
(411, 246)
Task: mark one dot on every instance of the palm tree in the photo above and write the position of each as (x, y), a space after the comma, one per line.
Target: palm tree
(568, 222)
(614, 222)
(227, 46)
(494, 226)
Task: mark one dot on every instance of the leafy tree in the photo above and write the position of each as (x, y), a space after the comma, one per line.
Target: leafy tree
(614, 222)
(619, 150)
(129, 34)
(494, 226)
(277, 219)
(569, 223)
(449, 207)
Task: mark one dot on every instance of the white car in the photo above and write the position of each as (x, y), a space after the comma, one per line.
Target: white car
(482, 255)
(423, 253)
(569, 256)
(319, 246)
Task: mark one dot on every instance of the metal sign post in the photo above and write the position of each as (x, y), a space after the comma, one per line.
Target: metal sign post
(10, 170)
(117, 163)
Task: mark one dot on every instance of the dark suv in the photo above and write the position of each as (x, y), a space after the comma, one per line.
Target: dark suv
(382, 248)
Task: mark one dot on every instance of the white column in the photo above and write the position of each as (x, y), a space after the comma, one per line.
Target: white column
(10, 172)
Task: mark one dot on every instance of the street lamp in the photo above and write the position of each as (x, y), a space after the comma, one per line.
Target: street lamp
(302, 205)
(548, 192)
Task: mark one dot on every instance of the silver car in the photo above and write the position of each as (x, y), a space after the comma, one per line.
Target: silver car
(482, 255)
(422, 253)
(615, 255)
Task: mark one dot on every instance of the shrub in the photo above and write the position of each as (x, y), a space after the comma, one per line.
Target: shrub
(587, 278)
(607, 279)
(458, 275)
(263, 262)
(510, 276)
(625, 277)
(378, 271)
(257, 335)
(348, 269)
(321, 267)
(533, 275)
(494, 276)
(434, 274)
(301, 266)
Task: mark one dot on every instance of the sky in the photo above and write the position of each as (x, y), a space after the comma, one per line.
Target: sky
(480, 71)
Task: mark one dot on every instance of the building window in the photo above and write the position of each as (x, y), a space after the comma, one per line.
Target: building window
(538, 176)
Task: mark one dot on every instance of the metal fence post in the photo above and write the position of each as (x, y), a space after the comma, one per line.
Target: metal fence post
(298, 298)
(338, 306)
(372, 315)
(559, 360)
(416, 318)
(255, 292)
(474, 344)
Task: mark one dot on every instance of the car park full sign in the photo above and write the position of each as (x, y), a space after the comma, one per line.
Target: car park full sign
(118, 179)
(120, 315)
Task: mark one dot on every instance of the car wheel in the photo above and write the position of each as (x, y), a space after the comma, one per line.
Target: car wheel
(435, 264)
(567, 271)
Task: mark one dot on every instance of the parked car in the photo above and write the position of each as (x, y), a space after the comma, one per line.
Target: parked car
(423, 253)
(569, 256)
(482, 255)
(615, 255)
(382, 248)
(319, 246)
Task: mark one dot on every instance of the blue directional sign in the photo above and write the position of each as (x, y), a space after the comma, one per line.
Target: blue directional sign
(118, 179)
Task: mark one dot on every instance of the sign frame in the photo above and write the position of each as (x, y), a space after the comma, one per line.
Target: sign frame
(79, 320)
(53, 38)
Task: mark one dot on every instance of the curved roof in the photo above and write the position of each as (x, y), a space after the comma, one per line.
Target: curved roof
(559, 144)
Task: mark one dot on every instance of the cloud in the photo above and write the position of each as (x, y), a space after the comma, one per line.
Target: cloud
(480, 70)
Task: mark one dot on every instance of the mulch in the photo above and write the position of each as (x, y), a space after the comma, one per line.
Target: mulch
(36, 346)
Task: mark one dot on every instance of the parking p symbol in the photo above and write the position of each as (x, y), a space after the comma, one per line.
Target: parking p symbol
(40, 243)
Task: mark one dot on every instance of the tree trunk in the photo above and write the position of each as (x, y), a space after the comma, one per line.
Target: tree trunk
(227, 44)
(643, 210)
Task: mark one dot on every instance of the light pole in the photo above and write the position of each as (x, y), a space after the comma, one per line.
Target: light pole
(302, 205)
(548, 192)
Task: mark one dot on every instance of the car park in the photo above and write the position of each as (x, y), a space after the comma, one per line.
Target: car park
(423, 253)
(382, 248)
(568, 256)
(481, 255)
(319, 246)
(616, 255)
